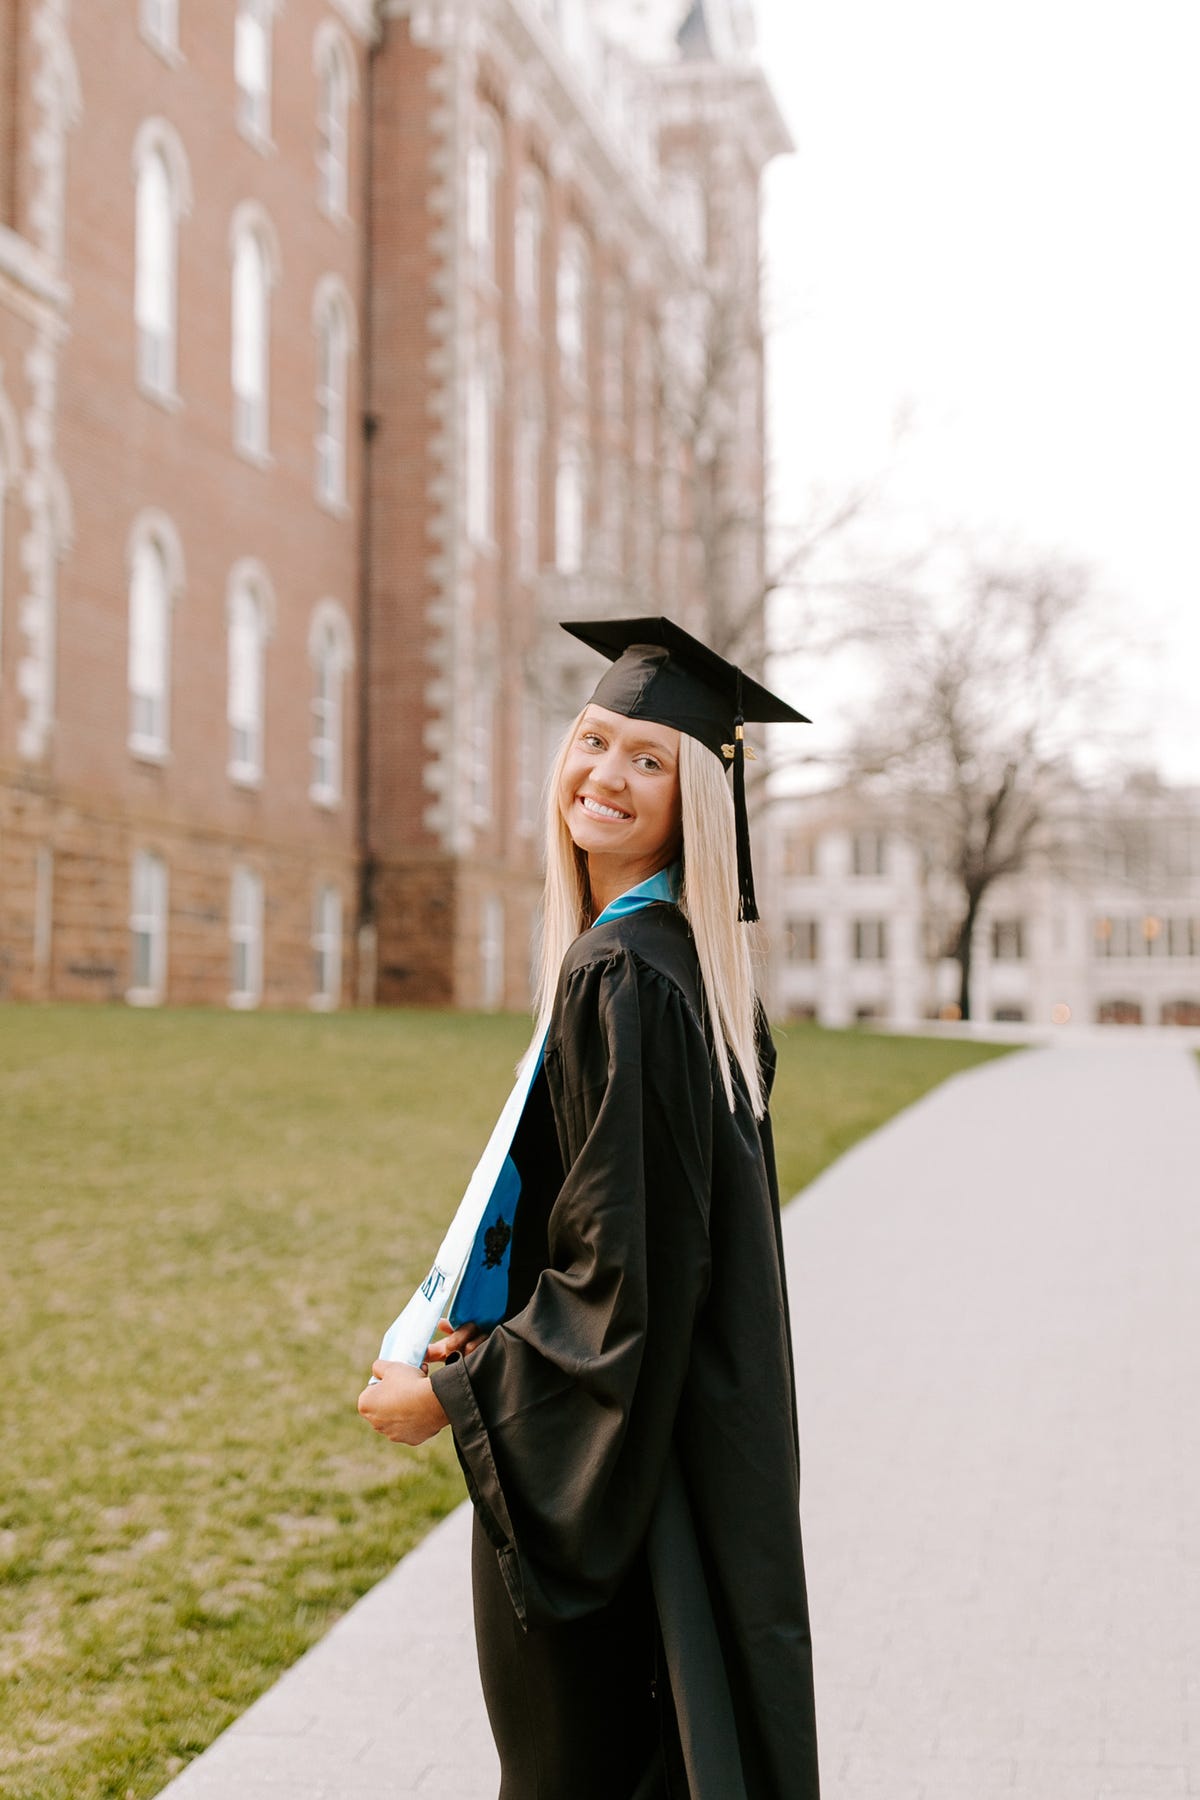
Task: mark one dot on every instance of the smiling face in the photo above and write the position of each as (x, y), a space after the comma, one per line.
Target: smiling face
(619, 796)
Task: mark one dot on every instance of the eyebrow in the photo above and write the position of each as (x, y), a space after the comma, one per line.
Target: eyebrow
(637, 743)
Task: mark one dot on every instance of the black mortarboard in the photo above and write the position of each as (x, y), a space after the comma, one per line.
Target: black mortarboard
(662, 673)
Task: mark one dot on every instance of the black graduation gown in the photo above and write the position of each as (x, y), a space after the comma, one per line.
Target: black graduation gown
(637, 1406)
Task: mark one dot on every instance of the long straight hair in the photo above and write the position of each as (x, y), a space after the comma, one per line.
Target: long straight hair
(708, 900)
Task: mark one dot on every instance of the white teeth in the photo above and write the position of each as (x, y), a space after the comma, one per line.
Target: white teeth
(601, 812)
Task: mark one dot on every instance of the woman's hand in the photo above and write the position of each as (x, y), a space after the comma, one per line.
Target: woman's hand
(401, 1405)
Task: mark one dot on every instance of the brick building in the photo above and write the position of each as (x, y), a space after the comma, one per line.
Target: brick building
(343, 347)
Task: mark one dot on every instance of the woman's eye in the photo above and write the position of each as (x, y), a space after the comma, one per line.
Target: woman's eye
(651, 763)
(592, 742)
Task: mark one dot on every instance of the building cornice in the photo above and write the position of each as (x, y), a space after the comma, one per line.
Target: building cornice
(742, 95)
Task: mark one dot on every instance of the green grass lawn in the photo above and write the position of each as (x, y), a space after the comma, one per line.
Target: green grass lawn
(206, 1220)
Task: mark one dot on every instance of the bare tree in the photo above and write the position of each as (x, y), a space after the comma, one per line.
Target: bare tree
(987, 695)
(711, 374)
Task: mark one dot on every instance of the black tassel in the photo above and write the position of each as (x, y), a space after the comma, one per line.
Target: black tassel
(747, 905)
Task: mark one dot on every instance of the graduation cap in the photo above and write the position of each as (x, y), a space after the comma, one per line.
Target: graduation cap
(662, 673)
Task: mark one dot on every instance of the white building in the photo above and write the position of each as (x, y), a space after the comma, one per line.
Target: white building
(859, 916)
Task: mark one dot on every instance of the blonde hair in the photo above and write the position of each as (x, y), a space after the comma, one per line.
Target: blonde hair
(708, 900)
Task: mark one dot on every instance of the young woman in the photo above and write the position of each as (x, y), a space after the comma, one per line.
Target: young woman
(627, 1426)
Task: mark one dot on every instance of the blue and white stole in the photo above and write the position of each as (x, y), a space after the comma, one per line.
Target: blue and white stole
(483, 1291)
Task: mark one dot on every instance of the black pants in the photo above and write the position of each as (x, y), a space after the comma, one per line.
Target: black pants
(579, 1711)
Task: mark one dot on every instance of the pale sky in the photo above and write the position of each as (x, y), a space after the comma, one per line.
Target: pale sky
(993, 217)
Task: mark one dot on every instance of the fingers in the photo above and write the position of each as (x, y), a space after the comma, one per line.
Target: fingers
(460, 1338)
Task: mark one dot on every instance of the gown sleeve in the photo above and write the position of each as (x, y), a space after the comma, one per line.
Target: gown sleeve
(563, 1418)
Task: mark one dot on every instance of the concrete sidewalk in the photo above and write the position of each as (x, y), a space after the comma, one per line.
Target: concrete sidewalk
(996, 1302)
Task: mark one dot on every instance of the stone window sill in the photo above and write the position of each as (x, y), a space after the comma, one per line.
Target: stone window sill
(150, 750)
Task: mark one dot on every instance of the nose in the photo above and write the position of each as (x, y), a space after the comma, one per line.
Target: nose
(608, 772)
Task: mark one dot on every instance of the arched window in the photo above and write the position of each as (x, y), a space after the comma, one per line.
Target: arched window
(569, 511)
(149, 649)
(249, 610)
(163, 196)
(481, 454)
(154, 302)
(331, 657)
(333, 325)
(483, 166)
(335, 90)
(252, 67)
(572, 307)
(255, 266)
(527, 249)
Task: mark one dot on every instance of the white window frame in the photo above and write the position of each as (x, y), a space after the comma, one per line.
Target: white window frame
(330, 655)
(248, 612)
(1008, 940)
(1183, 936)
(149, 652)
(335, 92)
(804, 941)
(868, 853)
(334, 340)
(528, 236)
(245, 937)
(254, 262)
(570, 510)
(156, 282)
(481, 456)
(870, 940)
(326, 945)
(570, 296)
(158, 153)
(148, 902)
(483, 176)
(253, 32)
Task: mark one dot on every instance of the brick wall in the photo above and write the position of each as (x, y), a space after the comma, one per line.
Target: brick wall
(443, 621)
(122, 452)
